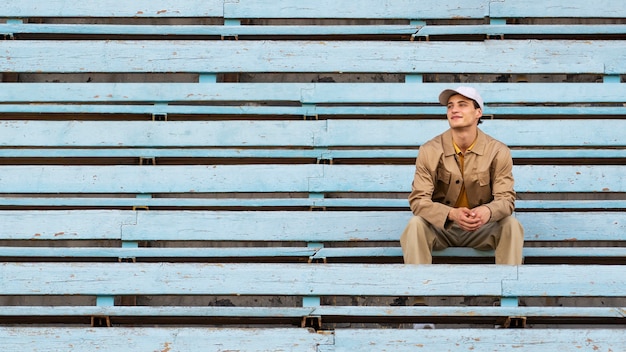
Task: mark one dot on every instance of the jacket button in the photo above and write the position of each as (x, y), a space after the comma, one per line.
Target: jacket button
(458, 181)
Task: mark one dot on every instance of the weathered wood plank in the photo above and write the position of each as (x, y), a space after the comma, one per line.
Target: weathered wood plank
(427, 93)
(281, 178)
(189, 201)
(280, 226)
(308, 110)
(322, 311)
(304, 226)
(415, 31)
(482, 311)
(207, 30)
(556, 8)
(137, 179)
(306, 279)
(430, 9)
(573, 281)
(173, 311)
(367, 9)
(251, 279)
(523, 94)
(162, 339)
(512, 132)
(152, 92)
(601, 30)
(64, 225)
(178, 254)
(458, 340)
(503, 56)
(460, 252)
(320, 153)
(310, 134)
(160, 134)
(113, 8)
(350, 226)
(336, 226)
(581, 226)
(291, 253)
(528, 178)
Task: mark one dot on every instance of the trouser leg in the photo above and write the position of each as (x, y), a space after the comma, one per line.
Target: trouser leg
(511, 242)
(506, 237)
(417, 241)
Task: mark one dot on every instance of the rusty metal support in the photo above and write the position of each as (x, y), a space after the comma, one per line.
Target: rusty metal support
(101, 322)
(514, 323)
(314, 322)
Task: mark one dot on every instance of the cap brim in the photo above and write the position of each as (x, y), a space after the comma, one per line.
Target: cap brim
(445, 96)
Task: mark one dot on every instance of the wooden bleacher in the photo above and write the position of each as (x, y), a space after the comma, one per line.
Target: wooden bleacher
(161, 157)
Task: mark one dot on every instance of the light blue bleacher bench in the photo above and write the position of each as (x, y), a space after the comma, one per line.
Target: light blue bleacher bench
(317, 141)
(234, 15)
(207, 188)
(311, 281)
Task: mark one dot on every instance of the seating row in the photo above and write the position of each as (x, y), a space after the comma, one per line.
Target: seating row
(233, 174)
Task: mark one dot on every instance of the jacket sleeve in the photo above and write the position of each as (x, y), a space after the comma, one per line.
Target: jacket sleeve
(423, 186)
(502, 182)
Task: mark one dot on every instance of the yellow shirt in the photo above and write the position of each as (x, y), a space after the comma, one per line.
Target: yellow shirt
(462, 201)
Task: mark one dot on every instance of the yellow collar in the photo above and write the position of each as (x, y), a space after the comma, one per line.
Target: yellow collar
(458, 150)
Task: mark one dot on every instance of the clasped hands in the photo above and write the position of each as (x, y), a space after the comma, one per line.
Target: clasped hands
(470, 219)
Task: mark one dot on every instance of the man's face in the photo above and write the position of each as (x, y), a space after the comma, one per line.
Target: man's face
(462, 113)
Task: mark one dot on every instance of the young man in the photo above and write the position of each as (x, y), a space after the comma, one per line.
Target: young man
(462, 193)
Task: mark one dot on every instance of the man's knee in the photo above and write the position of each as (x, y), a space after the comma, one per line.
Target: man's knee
(511, 242)
(417, 227)
(418, 221)
(511, 227)
(416, 241)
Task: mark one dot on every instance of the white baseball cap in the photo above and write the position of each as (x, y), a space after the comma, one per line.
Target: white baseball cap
(467, 92)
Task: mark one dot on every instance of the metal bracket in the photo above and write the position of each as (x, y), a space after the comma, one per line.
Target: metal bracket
(142, 207)
(318, 260)
(514, 323)
(313, 259)
(495, 36)
(159, 117)
(317, 208)
(314, 196)
(127, 260)
(314, 322)
(323, 161)
(14, 22)
(101, 321)
(128, 244)
(147, 160)
(144, 161)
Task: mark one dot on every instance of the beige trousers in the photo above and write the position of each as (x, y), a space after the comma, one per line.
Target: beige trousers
(420, 238)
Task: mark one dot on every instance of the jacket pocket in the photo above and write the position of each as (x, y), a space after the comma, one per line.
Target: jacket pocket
(443, 176)
(483, 178)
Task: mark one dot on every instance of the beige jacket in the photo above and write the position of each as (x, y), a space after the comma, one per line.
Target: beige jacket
(488, 178)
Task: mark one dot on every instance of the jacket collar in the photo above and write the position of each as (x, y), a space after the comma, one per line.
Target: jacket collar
(448, 146)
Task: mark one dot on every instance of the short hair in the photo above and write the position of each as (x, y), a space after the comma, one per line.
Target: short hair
(477, 106)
